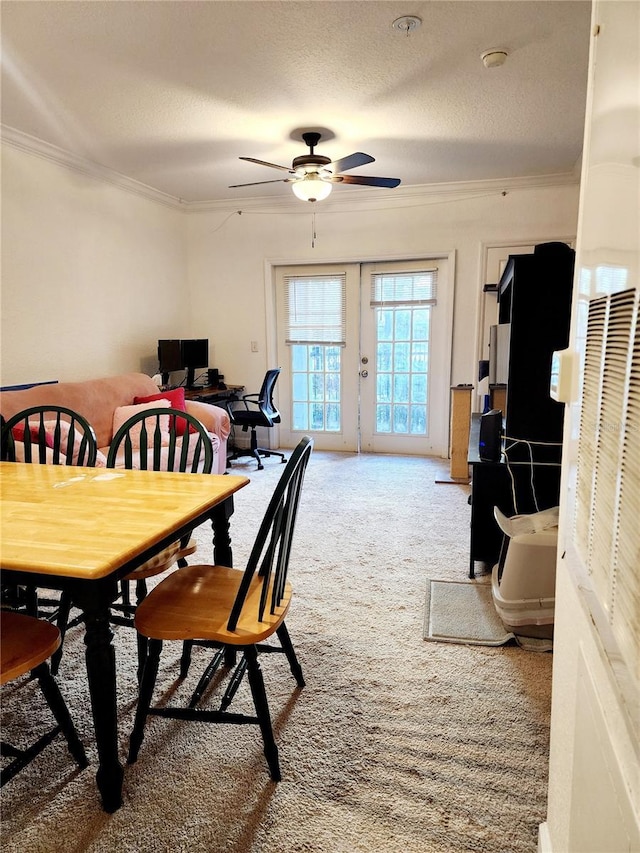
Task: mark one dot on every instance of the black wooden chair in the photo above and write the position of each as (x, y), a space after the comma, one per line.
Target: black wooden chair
(26, 644)
(229, 609)
(256, 410)
(157, 439)
(54, 435)
(49, 434)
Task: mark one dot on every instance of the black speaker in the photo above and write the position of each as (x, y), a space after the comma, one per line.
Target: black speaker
(490, 441)
(213, 377)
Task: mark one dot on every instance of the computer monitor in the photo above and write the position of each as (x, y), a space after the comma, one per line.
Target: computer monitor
(169, 358)
(195, 354)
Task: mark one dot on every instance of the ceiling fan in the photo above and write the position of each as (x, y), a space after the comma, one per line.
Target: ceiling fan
(313, 175)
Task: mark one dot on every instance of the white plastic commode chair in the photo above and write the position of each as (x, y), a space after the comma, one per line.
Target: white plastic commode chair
(523, 581)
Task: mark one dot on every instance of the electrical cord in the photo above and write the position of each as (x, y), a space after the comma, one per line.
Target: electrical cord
(530, 463)
(527, 441)
(531, 468)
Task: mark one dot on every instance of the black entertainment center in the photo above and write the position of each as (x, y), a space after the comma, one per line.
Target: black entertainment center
(534, 316)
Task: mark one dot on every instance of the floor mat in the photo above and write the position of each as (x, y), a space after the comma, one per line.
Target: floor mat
(463, 612)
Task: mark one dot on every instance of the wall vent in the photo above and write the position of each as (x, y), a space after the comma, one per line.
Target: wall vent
(607, 518)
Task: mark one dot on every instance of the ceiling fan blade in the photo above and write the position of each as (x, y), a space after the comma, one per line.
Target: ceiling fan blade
(264, 163)
(366, 180)
(350, 162)
(256, 183)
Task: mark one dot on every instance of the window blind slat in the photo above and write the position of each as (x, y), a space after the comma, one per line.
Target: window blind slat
(404, 288)
(315, 309)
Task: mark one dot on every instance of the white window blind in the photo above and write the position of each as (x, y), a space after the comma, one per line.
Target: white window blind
(404, 288)
(315, 309)
(608, 474)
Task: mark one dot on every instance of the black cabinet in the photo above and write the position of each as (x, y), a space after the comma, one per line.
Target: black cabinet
(534, 295)
(534, 298)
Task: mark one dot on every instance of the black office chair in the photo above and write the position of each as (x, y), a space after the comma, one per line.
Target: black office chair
(256, 410)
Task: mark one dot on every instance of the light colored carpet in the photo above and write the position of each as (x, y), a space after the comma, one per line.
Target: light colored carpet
(395, 744)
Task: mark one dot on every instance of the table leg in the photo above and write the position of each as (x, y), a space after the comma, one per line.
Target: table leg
(94, 599)
(222, 555)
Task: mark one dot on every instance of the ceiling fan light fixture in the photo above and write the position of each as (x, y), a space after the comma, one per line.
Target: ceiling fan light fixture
(311, 187)
(316, 174)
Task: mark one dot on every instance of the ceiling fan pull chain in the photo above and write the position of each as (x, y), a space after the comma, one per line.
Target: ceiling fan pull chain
(313, 230)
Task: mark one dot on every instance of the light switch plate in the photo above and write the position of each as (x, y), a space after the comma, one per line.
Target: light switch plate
(564, 376)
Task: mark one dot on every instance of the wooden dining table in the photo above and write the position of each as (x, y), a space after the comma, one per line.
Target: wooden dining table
(83, 529)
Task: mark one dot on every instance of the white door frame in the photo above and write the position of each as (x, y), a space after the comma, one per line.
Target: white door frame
(448, 297)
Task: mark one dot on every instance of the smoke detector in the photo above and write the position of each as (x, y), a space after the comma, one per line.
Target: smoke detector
(494, 57)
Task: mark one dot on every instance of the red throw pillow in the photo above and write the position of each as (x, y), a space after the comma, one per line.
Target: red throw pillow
(18, 435)
(176, 401)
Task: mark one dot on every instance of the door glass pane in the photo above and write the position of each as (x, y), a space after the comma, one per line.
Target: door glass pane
(315, 382)
(401, 353)
(403, 324)
(385, 354)
(402, 361)
(400, 419)
(383, 418)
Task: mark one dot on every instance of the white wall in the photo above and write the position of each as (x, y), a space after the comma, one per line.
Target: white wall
(92, 275)
(227, 254)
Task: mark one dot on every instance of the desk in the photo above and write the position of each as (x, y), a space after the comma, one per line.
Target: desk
(213, 394)
(82, 529)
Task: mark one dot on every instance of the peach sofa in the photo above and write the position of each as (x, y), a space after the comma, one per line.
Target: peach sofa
(97, 400)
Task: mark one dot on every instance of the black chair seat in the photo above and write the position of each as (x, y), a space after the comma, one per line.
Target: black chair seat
(251, 419)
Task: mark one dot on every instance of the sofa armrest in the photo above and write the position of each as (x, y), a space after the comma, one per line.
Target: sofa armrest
(215, 419)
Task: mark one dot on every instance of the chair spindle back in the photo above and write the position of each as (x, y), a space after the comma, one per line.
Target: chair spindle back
(67, 436)
(269, 557)
(162, 439)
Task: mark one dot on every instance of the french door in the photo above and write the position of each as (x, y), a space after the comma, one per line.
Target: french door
(380, 382)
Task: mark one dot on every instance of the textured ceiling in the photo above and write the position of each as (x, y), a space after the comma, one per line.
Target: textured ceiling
(172, 93)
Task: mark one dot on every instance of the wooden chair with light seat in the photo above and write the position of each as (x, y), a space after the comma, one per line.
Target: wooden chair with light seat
(26, 644)
(53, 435)
(228, 608)
(158, 439)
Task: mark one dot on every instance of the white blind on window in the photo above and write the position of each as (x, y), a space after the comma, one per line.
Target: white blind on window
(608, 475)
(315, 309)
(404, 288)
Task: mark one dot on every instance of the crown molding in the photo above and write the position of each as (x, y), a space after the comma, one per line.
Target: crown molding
(342, 201)
(32, 145)
(351, 200)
